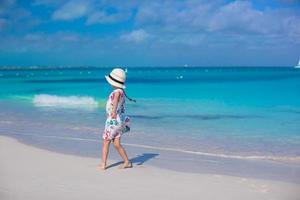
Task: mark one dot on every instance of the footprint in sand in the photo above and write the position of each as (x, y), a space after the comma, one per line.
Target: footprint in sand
(260, 188)
(242, 180)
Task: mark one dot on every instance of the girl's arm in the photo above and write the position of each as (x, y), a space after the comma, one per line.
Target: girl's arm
(115, 105)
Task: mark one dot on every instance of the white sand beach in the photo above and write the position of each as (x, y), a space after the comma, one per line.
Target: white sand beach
(29, 173)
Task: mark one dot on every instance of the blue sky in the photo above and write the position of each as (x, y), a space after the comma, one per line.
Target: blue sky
(149, 33)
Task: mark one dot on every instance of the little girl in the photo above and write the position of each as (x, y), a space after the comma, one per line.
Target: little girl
(116, 123)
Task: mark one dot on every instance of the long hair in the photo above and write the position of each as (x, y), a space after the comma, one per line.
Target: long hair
(130, 99)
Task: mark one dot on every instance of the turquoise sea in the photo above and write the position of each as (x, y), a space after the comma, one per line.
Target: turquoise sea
(236, 113)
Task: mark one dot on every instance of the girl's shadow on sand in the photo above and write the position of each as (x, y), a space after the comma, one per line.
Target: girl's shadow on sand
(138, 160)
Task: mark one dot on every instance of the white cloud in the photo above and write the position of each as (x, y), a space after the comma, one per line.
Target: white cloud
(58, 37)
(67, 37)
(16, 17)
(48, 2)
(188, 19)
(95, 12)
(175, 16)
(289, 1)
(3, 24)
(5, 5)
(33, 37)
(102, 17)
(135, 36)
(237, 16)
(240, 17)
(43, 42)
(71, 10)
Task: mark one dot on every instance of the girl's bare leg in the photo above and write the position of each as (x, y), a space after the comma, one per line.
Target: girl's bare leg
(122, 152)
(105, 149)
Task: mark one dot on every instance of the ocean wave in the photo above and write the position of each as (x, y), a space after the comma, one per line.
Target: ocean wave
(220, 155)
(178, 150)
(198, 117)
(21, 97)
(46, 100)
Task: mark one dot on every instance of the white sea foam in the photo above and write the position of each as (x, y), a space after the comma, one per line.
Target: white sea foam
(178, 150)
(64, 101)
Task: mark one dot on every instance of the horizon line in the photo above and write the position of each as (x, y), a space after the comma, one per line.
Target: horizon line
(139, 66)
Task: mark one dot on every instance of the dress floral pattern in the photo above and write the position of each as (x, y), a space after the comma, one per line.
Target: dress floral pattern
(114, 128)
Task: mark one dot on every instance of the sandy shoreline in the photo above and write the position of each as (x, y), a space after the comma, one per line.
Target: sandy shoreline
(30, 173)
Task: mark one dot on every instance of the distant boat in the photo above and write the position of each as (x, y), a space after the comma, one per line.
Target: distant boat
(298, 66)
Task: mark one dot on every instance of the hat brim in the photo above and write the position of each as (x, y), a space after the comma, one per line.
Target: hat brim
(114, 83)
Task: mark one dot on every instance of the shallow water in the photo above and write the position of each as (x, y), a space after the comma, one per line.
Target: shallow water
(234, 113)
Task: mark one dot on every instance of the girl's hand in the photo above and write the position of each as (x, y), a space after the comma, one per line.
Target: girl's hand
(113, 115)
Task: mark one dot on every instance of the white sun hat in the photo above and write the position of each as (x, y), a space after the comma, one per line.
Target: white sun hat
(117, 78)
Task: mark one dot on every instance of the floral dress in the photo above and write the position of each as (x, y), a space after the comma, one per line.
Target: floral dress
(114, 128)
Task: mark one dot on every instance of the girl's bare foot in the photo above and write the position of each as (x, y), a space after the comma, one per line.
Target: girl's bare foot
(126, 165)
(101, 166)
